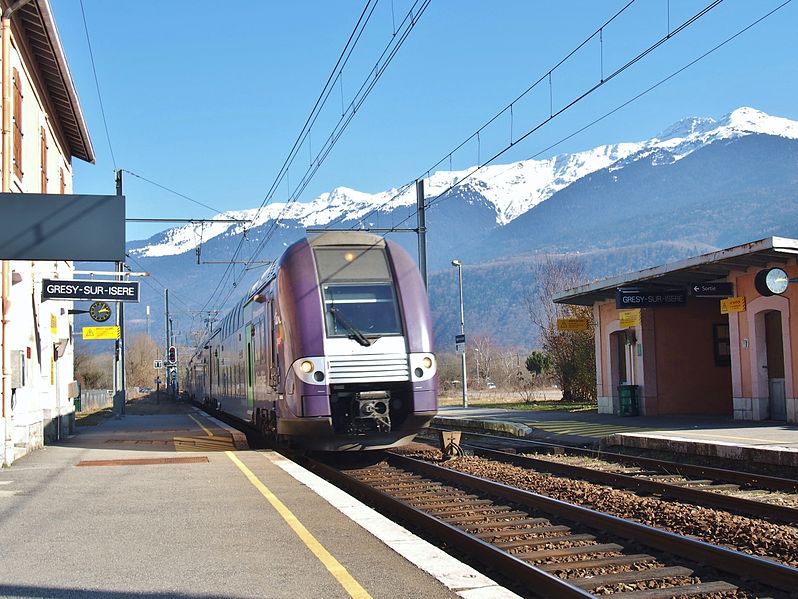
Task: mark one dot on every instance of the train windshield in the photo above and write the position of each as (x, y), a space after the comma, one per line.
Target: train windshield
(358, 293)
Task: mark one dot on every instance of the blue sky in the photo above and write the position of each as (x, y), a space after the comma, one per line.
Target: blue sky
(207, 98)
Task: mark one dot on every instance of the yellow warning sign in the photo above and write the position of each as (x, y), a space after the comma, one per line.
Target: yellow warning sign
(100, 333)
(629, 318)
(53, 324)
(572, 324)
(732, 304)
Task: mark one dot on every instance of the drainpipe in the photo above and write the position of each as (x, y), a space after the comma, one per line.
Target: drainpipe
(5, 41)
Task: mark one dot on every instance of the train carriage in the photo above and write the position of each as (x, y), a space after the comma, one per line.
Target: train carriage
(330, 350)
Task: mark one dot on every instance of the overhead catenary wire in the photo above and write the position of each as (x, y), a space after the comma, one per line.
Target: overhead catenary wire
(97, 85)
(320, 102)
(409, 23)
(655, 85)
(554, 114)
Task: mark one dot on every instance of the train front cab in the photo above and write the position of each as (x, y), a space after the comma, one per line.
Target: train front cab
(362, 374)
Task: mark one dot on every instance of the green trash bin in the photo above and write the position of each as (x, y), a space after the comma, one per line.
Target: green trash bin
(627, 400)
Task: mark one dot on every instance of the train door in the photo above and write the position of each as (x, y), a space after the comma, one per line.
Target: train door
(249, 333)
(271, 333)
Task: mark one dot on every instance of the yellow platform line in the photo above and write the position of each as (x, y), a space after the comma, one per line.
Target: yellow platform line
(340, 573)
(207, 432)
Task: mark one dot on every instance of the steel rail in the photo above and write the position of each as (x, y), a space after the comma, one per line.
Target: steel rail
(546, 584)
(772, 483)
(698, 496)
(772, 573)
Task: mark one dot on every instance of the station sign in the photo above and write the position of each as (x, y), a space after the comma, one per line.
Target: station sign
(90, 333)
(109, 291)
(627, 298)
(572, 324)
(722, 289)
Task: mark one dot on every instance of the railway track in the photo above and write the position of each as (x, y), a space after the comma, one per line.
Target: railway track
(756, 495)
(552, 547)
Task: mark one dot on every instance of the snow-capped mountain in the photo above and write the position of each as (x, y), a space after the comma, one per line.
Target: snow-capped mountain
(699, 186)
(510, 189)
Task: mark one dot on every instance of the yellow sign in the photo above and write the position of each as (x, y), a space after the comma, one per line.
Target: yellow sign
(572, 324)
(100, 333)
(53, 324)
(629, 318)
(732, 304)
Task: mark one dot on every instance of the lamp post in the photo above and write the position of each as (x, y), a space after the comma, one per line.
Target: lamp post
(459, 266)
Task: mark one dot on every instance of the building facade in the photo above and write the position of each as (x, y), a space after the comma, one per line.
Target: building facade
(43, 130)
(702, 336)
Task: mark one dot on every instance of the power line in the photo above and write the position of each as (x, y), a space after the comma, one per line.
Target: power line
(177, 193)
(388, 54)
(97, 84)
(553, 114)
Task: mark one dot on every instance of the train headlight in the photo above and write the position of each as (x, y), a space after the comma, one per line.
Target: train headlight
(423, 366)
(310, 370)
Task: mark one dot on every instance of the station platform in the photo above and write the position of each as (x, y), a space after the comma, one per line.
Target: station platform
(174, 504)
(771, 443)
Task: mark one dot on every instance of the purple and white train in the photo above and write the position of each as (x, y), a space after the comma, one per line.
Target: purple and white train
(331, 350)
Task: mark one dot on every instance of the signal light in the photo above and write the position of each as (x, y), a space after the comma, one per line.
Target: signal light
(172, 354)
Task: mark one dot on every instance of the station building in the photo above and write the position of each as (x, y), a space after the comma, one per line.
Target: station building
(43, 129)
(712, 335)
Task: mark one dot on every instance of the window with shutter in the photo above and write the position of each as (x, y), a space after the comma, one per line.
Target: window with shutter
(17, 123)
(44, 159)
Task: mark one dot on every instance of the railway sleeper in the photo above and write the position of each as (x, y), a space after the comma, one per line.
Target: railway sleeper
(537, 542)
(503, 525)
(495, 519)
(692, 590)
(634, 576)
(455, 509)
(520, 531)
(592, 564)
(541, 554)
(465, 504)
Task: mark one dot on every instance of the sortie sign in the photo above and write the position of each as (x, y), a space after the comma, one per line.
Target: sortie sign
(109, 291)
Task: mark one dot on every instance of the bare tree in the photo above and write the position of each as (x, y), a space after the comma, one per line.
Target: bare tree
(483, 356)
(572, 353)
(94, 371)
(139, 356)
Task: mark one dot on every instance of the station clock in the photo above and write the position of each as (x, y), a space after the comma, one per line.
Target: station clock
(771, 281)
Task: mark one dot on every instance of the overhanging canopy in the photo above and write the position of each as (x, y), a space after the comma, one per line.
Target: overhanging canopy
(714, 266)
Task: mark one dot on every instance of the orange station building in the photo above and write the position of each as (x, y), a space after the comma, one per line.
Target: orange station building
(710, 335)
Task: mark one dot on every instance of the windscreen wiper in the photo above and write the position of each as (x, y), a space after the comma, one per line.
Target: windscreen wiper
(355, 333)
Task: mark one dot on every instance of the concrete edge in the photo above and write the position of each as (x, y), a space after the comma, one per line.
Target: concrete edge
(500, 426)
(460, 578)
(240, 442)
(783, 456)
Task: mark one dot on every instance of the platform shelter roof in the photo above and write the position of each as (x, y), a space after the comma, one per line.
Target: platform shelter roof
(714, 266)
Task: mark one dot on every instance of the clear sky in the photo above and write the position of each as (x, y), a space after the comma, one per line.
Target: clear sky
(207, 98)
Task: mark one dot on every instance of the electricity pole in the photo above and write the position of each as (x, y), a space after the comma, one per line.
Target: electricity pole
(119, 349)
